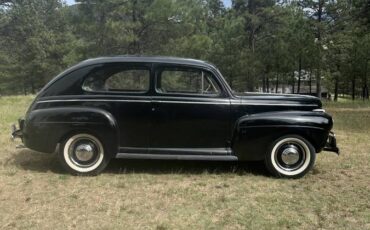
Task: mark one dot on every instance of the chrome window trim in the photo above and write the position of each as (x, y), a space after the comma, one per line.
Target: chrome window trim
(271, 104)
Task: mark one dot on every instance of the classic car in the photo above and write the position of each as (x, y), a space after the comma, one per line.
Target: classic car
(170, 108)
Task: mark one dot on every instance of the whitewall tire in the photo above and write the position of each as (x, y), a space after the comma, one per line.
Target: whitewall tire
(83, 154)
(290, 156)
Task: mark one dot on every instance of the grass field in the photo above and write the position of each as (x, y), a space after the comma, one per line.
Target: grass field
(35, 193)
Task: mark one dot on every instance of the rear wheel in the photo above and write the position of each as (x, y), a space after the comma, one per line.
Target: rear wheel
(83, 154)
(290, 156)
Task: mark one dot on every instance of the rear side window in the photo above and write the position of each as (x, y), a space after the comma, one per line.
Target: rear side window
(186, 81)
(118, 78)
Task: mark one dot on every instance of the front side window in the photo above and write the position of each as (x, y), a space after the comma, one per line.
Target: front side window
(186, 81)
(118, 78)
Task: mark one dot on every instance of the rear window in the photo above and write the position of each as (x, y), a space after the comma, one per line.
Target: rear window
(118, 78)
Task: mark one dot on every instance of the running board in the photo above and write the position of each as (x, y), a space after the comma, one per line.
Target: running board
(176, 157)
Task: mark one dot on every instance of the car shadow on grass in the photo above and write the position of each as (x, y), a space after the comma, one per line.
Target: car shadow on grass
(29, 160)
(184, 167)
(26, 159)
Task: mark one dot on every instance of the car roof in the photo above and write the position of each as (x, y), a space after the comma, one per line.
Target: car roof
(129, 58)
(148, 59)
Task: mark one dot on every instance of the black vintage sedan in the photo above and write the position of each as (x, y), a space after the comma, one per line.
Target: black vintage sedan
(170, 108)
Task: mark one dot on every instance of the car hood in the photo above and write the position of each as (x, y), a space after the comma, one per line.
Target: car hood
(280, 99)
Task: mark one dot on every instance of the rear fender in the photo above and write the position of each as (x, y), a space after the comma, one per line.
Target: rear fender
(254, 134)
(45, 128)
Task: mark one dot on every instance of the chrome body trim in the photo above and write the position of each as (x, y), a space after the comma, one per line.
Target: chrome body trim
(319, 110)
(221, 102)
(91, 100)
(176, 157)
(179, 151)
(137, 101)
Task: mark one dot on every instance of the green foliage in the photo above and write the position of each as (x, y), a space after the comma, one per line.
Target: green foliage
(257, 44)
(35, 40)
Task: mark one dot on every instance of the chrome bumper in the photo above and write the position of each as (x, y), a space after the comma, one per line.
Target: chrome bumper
(331, 144)
(17, 133)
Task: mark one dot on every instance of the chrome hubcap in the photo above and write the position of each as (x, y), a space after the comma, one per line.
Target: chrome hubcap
(84, 152)
(290, 155)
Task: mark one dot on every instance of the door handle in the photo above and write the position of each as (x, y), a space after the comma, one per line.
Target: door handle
(153, 109)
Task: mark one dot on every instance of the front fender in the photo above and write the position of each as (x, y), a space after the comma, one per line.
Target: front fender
(45, 128)
(254, 134)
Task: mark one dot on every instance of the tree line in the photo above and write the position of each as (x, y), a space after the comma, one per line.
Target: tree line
(296, 46)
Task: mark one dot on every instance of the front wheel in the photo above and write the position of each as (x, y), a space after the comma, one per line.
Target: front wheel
(290, 156)
(83, 154)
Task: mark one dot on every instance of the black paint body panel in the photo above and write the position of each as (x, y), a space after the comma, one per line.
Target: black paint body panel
(243, 126)
(255, 133)
(44, 128)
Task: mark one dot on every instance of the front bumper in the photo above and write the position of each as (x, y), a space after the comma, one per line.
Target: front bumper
(331, 144)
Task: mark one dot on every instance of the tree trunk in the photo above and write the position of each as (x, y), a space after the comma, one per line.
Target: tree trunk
(336, 88)
(33, 90)
(277, 83)
(268, 84)
(365, 92)
(366, 88)
(336, 82)
(299, 73)
(318, 82)
(252, 42)
(135, 43)
(318, 77)
(353, 88)
(347, 86)
(293, 83)
(310, 82)
(249, 83)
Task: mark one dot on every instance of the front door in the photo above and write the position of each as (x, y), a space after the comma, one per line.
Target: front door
(191, 114)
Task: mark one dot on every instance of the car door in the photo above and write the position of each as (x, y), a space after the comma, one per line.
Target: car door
(123, 89)
(191, 113)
